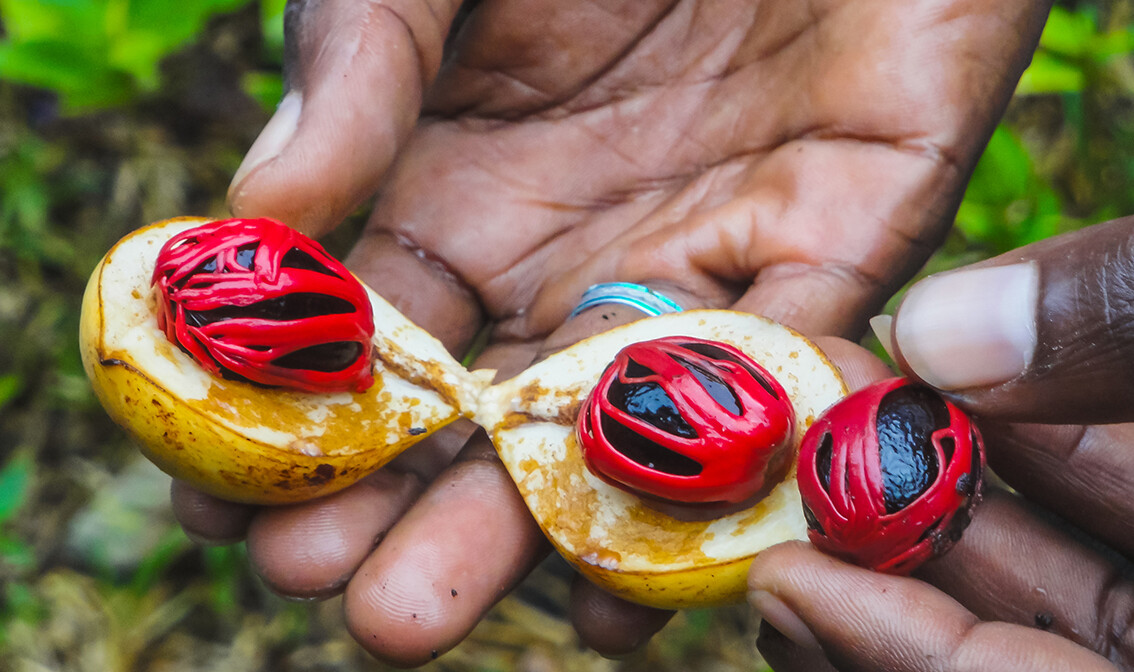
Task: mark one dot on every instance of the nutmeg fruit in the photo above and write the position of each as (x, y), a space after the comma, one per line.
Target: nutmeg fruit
(890, 476)
(616, 538)
(235, 438)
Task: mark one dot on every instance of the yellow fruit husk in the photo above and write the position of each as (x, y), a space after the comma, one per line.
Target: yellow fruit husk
(247, 444)
(611, 536)
(238, 441)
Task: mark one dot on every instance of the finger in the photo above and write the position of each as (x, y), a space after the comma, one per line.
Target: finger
(1083, 474)
(784, 655)
(609, 625)
(356, 73)
(613, 626)
(466, 542)
(462, 547)
(1017, 565)
(862, 620)
(1041, 334)
(420, 285)
(311, 549)
(207, 519)
(858, 366)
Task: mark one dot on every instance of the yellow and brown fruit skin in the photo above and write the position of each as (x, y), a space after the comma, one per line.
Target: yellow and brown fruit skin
(618, 541)
(240, 441)
(247, 444)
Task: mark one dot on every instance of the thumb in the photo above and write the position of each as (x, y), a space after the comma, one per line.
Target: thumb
(814, 606)
(356, 72)
(1043, 334)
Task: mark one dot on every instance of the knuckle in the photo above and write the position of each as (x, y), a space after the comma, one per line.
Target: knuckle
(1114, 625)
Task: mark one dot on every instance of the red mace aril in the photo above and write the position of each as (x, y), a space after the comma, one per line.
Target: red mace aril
(889, 476)
(686, 420)
(252, 299)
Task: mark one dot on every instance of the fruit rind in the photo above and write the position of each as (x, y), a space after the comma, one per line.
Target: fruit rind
(241, 442)
(611, 536)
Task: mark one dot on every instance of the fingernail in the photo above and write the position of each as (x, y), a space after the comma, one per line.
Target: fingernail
(881, 324)
(778, 615)
(970, 328)
(275, 136)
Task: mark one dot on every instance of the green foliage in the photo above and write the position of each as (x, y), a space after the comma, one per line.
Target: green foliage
(97, 53)
(1073, 46)
(1037, 179)
(15, 482)
(1007, 203)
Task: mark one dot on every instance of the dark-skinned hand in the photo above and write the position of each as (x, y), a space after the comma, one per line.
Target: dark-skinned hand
(1038, 344)
(797, 160)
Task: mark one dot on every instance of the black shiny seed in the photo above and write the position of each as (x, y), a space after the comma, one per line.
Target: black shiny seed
(823, 460)
(245, 254)
(717, 388)
(713, 352)
(636, 370)
(296, 306)
(646, 452)
(649, 402)
(297, 258)
(965, 485)
(812, 521)
(907, 418)
(326, 357)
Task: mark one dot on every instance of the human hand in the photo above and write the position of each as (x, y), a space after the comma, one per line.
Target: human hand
(1037, 345)
(797, 161)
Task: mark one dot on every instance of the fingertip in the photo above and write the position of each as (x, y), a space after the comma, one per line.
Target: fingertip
(859, 366)
(784, 655)
(466, 542)
(275, 136)
(974, 327)
(610, 625)
(310, 550)
(357, 72)
(208, 520)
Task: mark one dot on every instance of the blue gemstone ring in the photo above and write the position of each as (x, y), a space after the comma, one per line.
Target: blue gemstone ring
(639, 297)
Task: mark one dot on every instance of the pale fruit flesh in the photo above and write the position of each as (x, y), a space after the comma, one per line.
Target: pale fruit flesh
(619, 542)
(246, 443)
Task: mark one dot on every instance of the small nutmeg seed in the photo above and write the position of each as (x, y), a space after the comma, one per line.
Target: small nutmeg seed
(254, 300)
(686, 420)
(890, 476)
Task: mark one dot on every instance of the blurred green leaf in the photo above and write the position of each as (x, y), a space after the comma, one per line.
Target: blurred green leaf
(1003, 172)
(272, 27)
(226, 567)
(15, 483)
(1049, 73)
(1068, 32)
(10, 386)
(158, 559)
(97, 53)
(16, 553)
(265, 87)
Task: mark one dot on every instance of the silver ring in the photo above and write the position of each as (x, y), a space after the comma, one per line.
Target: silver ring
(627, 294)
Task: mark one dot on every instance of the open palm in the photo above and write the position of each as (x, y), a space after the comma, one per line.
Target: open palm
(795, 159)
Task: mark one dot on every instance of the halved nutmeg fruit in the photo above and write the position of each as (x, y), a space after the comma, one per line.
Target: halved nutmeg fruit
(697, 409)
(890, 476)
(249, 363)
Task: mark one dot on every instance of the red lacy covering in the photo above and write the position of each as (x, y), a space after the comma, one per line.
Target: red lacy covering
(686, 420)
(254, 299)
(890, 509)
